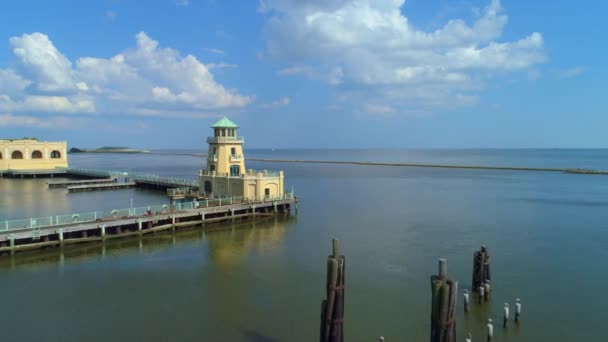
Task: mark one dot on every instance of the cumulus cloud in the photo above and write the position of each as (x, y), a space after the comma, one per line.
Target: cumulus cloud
(371, 44)
(571, 72)
(147, 78)
(276, 104)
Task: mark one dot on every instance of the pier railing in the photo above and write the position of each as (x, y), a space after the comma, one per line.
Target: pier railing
(58, 220)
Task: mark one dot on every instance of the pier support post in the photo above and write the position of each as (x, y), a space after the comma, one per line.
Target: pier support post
(102, 229)
(505, 319)
(517, 310)
(12, 244)
(203, 218)
(173, 222)
(61, 237)
(490, 328)
(443, 301)
(139, 226)
(466, 300)
(481, 268)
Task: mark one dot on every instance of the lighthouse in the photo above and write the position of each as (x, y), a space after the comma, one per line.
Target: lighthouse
(225, 173)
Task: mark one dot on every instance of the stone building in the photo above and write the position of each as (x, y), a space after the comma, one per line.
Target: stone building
(226, 174)
(31, 154)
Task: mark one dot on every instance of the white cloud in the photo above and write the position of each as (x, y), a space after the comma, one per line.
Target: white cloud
(571, 72)
(371, 44)
(182, 3)
(144, 79)
(48, 68)
(221, 65)
(57, 122)
(216, 51)
(111, 15)
(276, 104)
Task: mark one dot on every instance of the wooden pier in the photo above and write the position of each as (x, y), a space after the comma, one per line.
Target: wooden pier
(65, 184)
(37, 237)
(103, 186)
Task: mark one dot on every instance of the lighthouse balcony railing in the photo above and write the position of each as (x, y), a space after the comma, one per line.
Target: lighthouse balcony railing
(228, 139)
(235, 158)
(250, 174)
(212, 157)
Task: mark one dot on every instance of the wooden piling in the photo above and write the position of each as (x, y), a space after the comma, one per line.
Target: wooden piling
(517, 310)
(505, 319)
(443, 312)
(466, 300)
(490, 330)
(332, 308)
(481, 294)
(481, 268)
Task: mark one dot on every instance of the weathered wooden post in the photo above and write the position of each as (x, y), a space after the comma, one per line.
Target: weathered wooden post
(332, 308)
(481, 268)
(517, 310)
(481, 294)
(443, 311)
(466, 300)
(469, 338)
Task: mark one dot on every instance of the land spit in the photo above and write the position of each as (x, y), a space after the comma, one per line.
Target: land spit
(480, 167)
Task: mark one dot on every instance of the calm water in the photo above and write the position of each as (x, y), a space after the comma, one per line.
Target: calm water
(263, 281)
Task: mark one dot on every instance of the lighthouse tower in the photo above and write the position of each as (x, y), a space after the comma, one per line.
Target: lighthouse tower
(225, 173)
(225, 156)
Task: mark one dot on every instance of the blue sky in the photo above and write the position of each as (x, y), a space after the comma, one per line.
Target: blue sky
(306, 73)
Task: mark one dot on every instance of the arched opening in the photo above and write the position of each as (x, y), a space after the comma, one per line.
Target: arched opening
(55, 154)
(36, 155)
(208, 187)
(0, 155)
(17, 155)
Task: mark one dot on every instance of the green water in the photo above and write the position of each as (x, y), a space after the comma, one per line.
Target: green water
(263, 280)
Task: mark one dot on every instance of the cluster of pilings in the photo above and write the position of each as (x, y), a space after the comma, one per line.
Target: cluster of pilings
(444, 292)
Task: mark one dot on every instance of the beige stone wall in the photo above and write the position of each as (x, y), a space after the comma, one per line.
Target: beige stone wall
(256, 187)
(34, 155)
(221, 156)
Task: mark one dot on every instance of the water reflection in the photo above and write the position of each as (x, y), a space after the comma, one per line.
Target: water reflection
(227, 243)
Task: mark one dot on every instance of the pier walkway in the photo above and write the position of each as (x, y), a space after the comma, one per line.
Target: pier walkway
(35, 233)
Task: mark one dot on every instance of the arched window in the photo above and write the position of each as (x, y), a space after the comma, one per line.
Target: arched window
(55, 154)
(36, 155)
(17, 155)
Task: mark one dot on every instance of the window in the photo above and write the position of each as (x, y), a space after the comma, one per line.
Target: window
(214, 151)
(235, 170)
(211, 168)
(0, 155)
(208, 187)
(267, 192)
(36, 155)
(233, 151)
(17, 155)
(55, 154)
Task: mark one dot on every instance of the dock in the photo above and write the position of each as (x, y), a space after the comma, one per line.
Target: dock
(65, 184)
(60, 230)
(103, 186)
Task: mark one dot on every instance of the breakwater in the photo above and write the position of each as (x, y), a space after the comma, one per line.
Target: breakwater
(444, 166)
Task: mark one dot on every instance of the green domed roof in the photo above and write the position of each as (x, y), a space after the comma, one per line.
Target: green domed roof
(224, 123)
